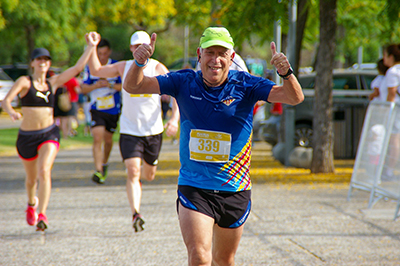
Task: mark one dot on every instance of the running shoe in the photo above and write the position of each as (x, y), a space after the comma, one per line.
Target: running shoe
(31, 214)
(105, 171)
(138, 222)
(42, 222)
(98, 178)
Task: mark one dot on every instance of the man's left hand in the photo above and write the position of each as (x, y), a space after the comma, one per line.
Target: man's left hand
(279, 60)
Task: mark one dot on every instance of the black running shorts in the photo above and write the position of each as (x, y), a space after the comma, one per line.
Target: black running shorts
(109, 121)
(148, 148)
(228, 209)
(29, 142)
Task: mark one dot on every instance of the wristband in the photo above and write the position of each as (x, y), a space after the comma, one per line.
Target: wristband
(140, 65)
(285, 77)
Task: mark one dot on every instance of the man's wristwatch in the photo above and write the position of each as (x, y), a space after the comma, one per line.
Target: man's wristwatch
(286, 76)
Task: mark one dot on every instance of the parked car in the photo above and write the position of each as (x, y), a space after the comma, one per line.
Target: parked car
(179, 64)
(350, 90)
(258, 66)
(5, 86)
(16, 70)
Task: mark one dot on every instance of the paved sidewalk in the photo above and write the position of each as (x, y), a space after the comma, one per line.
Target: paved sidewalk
(292, 222)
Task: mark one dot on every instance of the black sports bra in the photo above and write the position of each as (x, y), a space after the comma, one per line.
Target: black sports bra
(38, 98)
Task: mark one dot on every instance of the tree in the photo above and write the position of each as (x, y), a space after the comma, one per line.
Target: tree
(140, 15)
(45, 23)
(322, 123)
(244, 19)
(303, 7)
(60, 25)
(6, 6)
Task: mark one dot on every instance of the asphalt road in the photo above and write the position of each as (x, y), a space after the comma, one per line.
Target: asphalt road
(291, 223)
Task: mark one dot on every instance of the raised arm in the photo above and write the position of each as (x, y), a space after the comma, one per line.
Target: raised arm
(106, 71)
(58, 80)
(135, 82)
(290, 92)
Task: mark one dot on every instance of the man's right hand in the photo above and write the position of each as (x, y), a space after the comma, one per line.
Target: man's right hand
(92, 38)
(101, 83)
(145, 51)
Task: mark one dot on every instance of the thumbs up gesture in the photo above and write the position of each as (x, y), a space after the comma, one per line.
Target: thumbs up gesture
(279, 60)
(145, 51)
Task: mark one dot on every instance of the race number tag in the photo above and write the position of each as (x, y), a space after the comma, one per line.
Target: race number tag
(141, 95)
(105, 102)
(209, 146)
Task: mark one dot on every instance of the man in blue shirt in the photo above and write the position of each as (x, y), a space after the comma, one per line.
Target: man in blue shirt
(105, 101)
(216, 107)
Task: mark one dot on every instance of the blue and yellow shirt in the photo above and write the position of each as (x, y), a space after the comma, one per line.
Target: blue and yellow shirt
(216, 127)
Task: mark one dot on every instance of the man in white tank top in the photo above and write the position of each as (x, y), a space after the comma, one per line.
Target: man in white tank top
(141, 125)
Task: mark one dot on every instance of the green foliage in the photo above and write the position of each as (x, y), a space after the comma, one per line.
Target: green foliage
(8, 138)
(60, 26)
(45, 23)
(244, 19)
(138, 14)
(367, 24)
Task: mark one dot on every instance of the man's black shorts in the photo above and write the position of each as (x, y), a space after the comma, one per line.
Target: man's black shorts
(228, 209)
(29, 142)
(147, 148)
(109, 121)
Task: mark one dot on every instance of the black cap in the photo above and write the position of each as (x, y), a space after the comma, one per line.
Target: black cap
(40, 52)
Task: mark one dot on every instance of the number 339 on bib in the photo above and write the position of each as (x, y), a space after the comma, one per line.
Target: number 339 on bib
(209, 146)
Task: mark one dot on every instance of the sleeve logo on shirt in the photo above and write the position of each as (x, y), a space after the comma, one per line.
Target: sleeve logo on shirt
(43, 96)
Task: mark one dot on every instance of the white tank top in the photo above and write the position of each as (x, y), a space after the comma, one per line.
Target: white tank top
(141, 113)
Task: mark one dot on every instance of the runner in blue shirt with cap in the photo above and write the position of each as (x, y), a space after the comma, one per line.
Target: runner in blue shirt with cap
(215, 141)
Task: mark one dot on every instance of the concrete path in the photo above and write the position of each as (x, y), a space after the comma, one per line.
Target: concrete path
(293, 222)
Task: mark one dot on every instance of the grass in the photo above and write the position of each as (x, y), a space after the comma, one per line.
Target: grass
(9, 137)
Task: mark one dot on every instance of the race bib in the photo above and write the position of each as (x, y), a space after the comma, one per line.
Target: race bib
(141, 95)
(209, 146)
(105, 102)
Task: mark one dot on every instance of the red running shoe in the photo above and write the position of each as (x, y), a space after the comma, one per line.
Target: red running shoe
(31, 215)
(138, 222)
(42, 222)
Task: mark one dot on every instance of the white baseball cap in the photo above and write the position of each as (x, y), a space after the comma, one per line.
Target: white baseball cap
(140, 37)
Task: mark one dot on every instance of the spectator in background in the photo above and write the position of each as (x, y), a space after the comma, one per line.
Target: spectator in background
(378, 82)
(84, 103)
(73, 89)
(105, 101)
(391, 84)
(65, 117)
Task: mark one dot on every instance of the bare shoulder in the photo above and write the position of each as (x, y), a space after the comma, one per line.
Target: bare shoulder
(22, 85)
(161, 68)
(23, 81)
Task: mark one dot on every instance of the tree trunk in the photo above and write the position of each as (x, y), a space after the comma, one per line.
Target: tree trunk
(302, 14)
(322, 123)
(30, 32)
